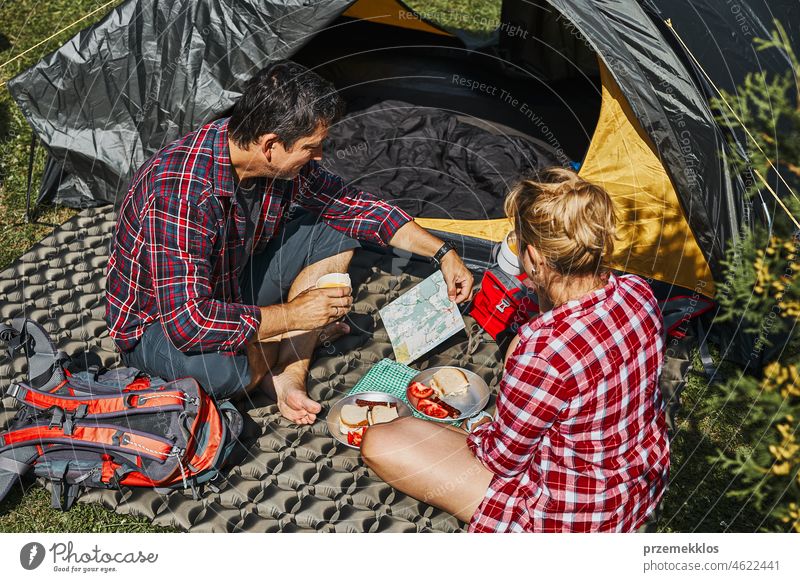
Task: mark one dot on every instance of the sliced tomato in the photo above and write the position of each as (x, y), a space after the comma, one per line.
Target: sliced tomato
(420, 390)
(354, 436)
(430, 408)
(437, 411)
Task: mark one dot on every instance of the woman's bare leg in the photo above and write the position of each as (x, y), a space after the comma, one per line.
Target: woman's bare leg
(428, 461)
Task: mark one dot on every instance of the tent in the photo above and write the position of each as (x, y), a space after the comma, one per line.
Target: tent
(610, 86)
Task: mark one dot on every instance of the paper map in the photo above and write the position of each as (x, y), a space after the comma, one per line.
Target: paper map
(421, 319)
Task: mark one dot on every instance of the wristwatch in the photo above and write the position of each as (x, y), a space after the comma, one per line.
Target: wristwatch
(470, 424)
(443, 250)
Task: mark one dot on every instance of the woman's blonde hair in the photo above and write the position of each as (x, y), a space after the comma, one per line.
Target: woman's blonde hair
(569, 220)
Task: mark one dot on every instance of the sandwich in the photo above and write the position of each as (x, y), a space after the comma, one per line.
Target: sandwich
(352, 418)
(380, 414)
(449, 382)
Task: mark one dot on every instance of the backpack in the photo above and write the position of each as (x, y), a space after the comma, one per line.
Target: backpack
(83, 428)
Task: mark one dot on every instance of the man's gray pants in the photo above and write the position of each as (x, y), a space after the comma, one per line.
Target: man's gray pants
(265, 280)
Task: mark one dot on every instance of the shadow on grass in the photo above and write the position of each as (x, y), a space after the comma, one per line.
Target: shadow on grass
(698, 499)
(6, 134)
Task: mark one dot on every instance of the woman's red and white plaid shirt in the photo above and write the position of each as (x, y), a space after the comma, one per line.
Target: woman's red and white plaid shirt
(579, 441)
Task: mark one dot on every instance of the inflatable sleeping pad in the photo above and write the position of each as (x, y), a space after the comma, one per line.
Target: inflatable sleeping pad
(293, 478)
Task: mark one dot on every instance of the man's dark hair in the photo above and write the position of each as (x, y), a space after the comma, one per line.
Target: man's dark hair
(286, 99)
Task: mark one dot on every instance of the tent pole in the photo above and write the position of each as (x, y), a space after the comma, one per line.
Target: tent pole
(28, 216)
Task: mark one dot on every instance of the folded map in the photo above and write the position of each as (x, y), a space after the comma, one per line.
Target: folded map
(421, 319)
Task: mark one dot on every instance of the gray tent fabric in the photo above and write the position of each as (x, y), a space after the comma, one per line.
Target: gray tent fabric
(148, 73)
(733, 55)
(430, 162)
(153, 70)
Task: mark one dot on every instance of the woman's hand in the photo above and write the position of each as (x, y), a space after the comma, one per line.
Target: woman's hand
(481, 418)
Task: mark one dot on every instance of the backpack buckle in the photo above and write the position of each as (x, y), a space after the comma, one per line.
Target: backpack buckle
(63, 495)
(57, 420)
(71, 418)
(13, 390)
(216, 482)
(94, 370)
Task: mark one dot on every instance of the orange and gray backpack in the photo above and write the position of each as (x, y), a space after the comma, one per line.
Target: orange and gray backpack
(81, 428)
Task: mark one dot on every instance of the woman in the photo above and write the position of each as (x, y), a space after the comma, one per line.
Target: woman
(579, 441)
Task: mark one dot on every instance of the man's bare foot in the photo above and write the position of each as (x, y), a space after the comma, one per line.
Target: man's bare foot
(293, 401)
(332, 332)
(288, 387)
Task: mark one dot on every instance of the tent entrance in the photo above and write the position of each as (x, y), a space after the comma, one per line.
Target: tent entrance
(440, 129)
(370, 62)
(443, 131)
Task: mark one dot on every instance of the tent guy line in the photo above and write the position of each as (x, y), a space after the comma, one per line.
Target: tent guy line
(668, 22)
(55, 34)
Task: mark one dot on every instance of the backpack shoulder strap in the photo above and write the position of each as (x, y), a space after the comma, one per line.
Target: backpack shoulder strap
(14, 463)
(45, 370)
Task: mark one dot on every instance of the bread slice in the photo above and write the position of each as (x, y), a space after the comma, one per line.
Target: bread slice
(351, 417)
(449, 382)
(381, 414)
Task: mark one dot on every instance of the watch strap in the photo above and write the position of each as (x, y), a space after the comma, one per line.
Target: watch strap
(443, 250)
(473, 419)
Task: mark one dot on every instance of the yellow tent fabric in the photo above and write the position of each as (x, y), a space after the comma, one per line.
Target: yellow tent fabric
(654, 237)
(392, 13)
(493, 229)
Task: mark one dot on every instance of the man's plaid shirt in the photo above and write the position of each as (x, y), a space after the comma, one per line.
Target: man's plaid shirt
(579, 441)
(179, 246)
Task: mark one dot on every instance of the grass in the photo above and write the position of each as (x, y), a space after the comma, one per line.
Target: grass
(24, 24)
(31, 512)
(476, 17)
(697, 499)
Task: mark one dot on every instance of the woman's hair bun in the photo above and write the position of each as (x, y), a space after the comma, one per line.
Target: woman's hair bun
(572, 222)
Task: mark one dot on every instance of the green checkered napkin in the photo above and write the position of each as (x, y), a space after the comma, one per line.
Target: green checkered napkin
(386, 376)
(390, 377)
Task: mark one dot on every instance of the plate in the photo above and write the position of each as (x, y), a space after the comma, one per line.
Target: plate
(333, 413)
(470, 403)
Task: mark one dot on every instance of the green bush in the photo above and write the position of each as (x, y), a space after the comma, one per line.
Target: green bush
(762, 292)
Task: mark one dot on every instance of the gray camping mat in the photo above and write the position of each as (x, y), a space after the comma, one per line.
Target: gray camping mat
(294, 478)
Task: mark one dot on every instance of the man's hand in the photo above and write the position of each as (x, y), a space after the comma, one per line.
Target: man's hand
(315, 308)
(412, 237)
(458, 278)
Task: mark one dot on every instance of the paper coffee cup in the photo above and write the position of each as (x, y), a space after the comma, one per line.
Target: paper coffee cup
(333, 280)
(511, 241)
(507, 258)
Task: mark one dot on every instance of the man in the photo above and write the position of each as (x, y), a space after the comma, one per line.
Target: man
(223, 234)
